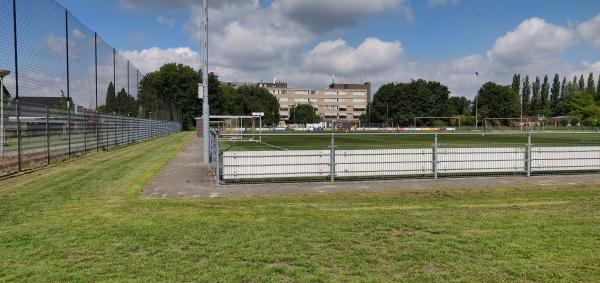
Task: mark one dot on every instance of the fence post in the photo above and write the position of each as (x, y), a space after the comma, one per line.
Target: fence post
(84, 134)
(218, 153)
(19, 133)
(528, 154)
(435, 156)
(114, 118)
(47, 134)
(69, 102)
(122, 130)
(332, 158)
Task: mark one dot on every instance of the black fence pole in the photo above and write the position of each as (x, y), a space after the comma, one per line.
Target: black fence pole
(48, 134)
(15, 40)
(69, 102)
(96, 75)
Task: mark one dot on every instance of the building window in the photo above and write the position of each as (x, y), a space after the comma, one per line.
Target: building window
(359, 100)
(283, 91)
(329, 92)
(313, 92)
(301, 100)
(283, 99)
(330, 107)
(360, 108)
(331, 100)
(359, 93)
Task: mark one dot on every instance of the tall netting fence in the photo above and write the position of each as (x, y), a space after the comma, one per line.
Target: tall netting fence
(66, 91)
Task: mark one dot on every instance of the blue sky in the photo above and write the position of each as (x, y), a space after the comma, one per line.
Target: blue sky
(442, 40)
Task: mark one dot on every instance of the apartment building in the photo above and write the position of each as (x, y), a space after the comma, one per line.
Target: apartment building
(339, 102)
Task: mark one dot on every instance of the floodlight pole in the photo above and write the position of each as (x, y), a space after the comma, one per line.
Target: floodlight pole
(205, 107)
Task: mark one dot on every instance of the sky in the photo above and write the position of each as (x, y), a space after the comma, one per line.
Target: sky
(306, 41)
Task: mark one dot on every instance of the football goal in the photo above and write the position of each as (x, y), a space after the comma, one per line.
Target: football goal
(238, 128)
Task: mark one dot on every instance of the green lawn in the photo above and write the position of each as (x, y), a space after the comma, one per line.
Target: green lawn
(83, 221)
(362, 141)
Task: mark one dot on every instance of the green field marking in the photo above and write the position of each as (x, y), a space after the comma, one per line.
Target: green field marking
(83, 221)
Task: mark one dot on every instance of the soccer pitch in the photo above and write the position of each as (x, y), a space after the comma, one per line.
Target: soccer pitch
(292, 141)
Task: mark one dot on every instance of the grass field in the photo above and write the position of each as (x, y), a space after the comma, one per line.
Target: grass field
(362, 141)
(84, 221)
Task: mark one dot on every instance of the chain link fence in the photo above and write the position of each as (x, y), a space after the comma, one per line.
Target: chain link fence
(359, 156)
(65, 91)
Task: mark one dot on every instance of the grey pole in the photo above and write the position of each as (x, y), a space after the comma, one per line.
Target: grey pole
(205, 108)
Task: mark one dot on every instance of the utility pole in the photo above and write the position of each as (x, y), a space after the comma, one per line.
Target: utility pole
(205, 108)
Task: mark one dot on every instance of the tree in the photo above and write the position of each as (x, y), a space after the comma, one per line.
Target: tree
(598, 89)
(581, 100)
(304, 114)
(405, 101)
(581, 83)
(535, 103)
(544, 96)
(516, 83)
(174, 88)
(554, 98)
(497, 101)
(110, 106)
(591, 86)
(458, 105)
(258, 99)
(526, 95)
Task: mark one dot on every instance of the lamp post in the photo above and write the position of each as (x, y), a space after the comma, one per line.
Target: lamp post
(3, 73)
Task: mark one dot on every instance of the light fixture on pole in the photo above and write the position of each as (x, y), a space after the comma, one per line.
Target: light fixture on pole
(3, 74)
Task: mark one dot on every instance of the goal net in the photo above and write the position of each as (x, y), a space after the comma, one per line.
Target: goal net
(509, 124)
(238, 128)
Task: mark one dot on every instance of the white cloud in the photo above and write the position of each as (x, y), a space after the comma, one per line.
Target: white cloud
(590, 31)
(373, 55)
(151, 59)
(534, 40)
(168, 22)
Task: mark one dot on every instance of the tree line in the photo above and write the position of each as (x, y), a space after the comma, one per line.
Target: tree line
(176, 85)
(545, 98)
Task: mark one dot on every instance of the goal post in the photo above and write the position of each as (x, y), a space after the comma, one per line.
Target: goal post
(432, 121)
(240, 128)
(508, 124)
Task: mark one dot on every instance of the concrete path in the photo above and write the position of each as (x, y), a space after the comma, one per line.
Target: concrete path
(186, 177)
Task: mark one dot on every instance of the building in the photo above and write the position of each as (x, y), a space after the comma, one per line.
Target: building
(339, 102)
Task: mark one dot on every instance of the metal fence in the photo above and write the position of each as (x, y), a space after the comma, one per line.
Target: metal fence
(42, 135)
(65, 91)
(359, 156)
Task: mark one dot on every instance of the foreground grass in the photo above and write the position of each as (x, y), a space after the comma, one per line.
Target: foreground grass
(83, 221)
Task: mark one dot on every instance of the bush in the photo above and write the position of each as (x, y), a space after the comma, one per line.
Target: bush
(564, 122)
(589, 122)
(575, 121)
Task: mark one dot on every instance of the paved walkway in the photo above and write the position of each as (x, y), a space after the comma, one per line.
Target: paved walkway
(184, 176)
